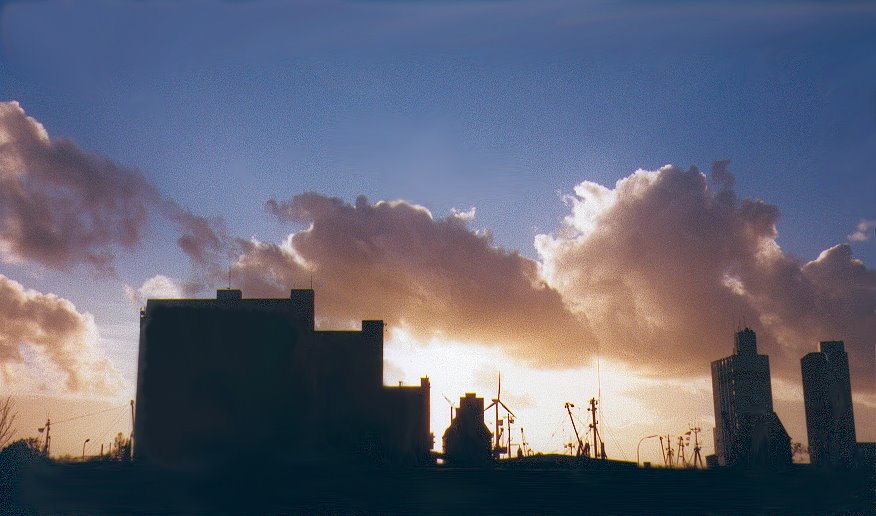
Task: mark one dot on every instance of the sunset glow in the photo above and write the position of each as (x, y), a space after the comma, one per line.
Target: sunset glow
(585, 199)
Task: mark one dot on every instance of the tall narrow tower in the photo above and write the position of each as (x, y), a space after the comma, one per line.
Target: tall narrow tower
(827, 392)
(747, 431)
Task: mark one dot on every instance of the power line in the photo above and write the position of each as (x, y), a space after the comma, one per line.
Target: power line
(91, 414)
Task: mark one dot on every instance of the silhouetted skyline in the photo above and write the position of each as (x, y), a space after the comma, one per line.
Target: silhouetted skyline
(827, 392)
(550, 191)
(231, 379)
(748, 433)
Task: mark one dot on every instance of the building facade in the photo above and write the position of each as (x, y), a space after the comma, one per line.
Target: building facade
(233, 379)
(748, 433)
(467, 441)
(827, 391)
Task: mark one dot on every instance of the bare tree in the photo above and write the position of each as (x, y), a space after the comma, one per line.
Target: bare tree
(7, 419)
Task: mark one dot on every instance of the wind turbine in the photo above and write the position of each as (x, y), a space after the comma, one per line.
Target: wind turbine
(497, 402)
(452, 406)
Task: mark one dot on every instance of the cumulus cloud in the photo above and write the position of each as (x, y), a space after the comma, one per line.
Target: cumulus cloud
(61, 205)
(467, 215)
(430, 276)
(159, 287)
(52, 333)
(863, 231)
(665, 268)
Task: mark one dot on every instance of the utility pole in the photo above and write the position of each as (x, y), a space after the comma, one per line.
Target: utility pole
(680, 458)
(510, 420)
(131, 443)
(697, 459)
(48, 429)
(669, 454)
(598, 445)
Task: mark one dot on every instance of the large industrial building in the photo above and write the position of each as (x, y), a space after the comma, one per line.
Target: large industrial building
(233, 379)
(747, 431)
(827, 391)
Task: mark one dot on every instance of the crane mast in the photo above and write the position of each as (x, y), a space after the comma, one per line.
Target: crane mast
(580, 451)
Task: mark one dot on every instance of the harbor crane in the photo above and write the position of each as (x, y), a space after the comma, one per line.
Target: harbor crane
(523, 442)
(581, 449)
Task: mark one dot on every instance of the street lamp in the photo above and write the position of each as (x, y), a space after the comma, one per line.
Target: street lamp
(83, 448)
(640, 444)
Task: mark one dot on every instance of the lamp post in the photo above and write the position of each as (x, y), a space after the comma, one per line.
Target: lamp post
(640, 444)
(83, 447)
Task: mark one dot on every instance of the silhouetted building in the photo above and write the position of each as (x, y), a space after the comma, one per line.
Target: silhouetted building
(467, 441)
(827, 391)
(867, 456)
(230, 379)
(747, 431)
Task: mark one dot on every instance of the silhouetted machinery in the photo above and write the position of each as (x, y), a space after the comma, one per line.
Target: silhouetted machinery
(580, 451)
(467, 439)
(584, 449)
(498, 448)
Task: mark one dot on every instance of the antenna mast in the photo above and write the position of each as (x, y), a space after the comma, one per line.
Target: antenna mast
(598, 444)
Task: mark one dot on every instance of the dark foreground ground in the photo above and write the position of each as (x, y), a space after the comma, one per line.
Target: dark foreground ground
(119, 488)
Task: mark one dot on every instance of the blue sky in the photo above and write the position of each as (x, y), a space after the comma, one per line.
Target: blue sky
(504, 106)
(497, 105)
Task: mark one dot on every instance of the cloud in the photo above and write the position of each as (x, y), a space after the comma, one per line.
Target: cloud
(159, 287)
(466, 216)
(431, 277)
(61, 205)
(665, 269)
(47, 332)
(863, 231)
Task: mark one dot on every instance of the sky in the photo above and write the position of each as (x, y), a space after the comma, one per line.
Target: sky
(588, 196)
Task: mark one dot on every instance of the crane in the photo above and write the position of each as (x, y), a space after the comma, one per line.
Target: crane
(580, 450)
(523, 442)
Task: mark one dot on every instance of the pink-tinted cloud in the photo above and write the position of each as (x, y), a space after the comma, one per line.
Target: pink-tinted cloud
(665, 268)
(430, 276)
(863, 231)
(52, 329)
(61, 205)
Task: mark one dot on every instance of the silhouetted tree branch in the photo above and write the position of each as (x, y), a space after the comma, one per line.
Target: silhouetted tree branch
(7, 419)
